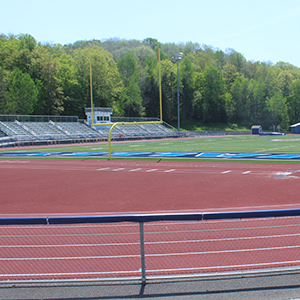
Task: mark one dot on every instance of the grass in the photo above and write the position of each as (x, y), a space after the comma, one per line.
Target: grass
(194, 125)
(241, 144)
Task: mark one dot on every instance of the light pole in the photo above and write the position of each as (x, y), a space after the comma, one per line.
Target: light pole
(177, 57)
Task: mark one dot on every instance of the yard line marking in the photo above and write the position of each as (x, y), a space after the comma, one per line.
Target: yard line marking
(119, 169)
(102, 169)
(225, 172)
(134, 170)
(151, 170)
(168, 171)
(246, 172)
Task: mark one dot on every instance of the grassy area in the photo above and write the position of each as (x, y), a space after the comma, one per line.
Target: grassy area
(243, 144)
(199, 126)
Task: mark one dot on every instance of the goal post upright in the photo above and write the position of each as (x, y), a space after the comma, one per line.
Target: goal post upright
(113, 124)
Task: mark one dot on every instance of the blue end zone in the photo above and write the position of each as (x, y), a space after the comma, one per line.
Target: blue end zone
(197, 155)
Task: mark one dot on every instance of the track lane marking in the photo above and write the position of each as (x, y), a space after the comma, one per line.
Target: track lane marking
(246, 172)
(151, 170)
(225, 172)
(119, 169)
(169, 171)
(135, 170)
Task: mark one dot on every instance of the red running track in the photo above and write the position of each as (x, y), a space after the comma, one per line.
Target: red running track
(71, 187)
(54, 187)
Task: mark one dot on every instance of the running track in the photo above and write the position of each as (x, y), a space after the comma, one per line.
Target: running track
(47, 187)
(87, 187)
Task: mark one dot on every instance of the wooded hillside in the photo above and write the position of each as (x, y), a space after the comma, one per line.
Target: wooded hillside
(215, 86)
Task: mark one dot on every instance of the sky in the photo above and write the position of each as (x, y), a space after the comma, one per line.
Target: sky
(261, 30)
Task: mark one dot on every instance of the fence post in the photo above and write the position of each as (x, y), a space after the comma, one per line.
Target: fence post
(142, 252)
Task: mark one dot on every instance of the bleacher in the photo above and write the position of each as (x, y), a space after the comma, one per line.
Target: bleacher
(57, 130)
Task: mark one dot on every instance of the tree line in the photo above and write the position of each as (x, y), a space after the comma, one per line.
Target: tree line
(215, 86)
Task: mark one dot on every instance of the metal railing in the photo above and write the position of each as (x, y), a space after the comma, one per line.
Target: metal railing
(37, 118)
(148, 246)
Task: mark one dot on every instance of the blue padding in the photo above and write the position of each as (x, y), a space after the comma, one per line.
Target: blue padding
(151, 217)
(126, 218)
(23, 221)
(252, 214)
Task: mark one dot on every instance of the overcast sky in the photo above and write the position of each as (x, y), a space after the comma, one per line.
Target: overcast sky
(261, 30)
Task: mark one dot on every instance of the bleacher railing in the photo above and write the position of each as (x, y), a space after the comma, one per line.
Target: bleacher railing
(37, 118)
(148, 246)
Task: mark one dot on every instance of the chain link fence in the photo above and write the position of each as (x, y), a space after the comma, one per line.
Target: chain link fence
(148, 246)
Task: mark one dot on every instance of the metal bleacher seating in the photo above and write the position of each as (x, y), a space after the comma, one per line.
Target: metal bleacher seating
(16, 131)
(50, 131)
(77, 130)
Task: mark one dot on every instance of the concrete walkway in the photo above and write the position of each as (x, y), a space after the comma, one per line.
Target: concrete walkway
(256, 287)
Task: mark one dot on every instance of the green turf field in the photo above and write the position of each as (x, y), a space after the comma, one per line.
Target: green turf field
(244, 144)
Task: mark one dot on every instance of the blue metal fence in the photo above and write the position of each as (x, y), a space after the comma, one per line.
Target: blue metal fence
(148, 245)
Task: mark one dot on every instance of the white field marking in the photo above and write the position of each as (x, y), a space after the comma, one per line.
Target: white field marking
(171, 170)
(133, 146)
(225, 172)
(102, 169)
(151, 170)
(134, 170)
(274, 149)
(119, 169)
(246, 172)
(96, 148)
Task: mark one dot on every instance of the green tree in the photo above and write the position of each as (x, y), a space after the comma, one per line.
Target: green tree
(213, 101)
(130, 75)
(278, 111)
(259, 102)
(169, 90)
(44, 70)
(285, 80)
(293, 103)
(150, 88)
(108, 88)
(21, 95)
(69, 84)
(188, 89)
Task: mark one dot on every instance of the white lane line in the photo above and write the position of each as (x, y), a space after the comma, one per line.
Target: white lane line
(102, 169)
(151, 170)
(168, 171)
(134, 170)
(225, 172)
(119, 169)
(247, 172)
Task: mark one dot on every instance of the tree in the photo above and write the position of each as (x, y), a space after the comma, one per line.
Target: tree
(150, 88)
(169, 90)
(293, 103)
(21, 95)
(213, 101)
(129, 72)
(108, 88)
(278, 111)
(188, 89)
(285, 80)
(44, 70)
